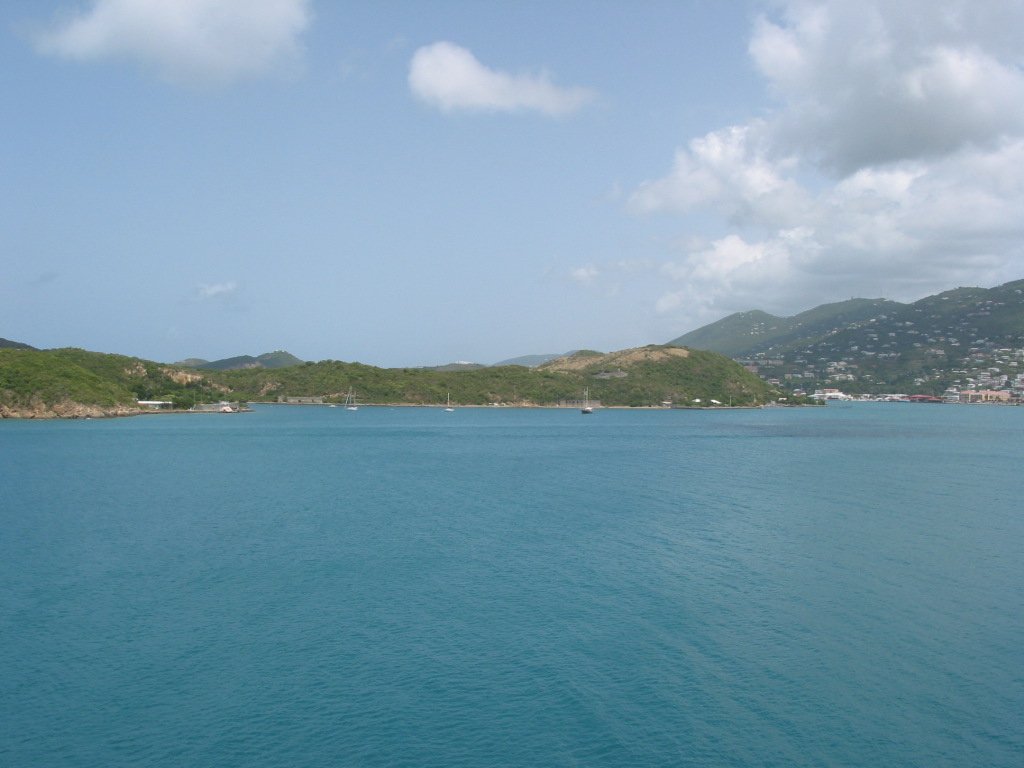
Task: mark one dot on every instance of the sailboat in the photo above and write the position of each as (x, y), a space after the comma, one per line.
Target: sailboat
(449, 408)
(587, 408)
(350, 401)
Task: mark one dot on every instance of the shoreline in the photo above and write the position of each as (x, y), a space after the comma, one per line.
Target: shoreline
(80, 413)
(86, 413)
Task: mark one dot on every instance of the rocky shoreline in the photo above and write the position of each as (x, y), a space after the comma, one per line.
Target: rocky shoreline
(65, 410)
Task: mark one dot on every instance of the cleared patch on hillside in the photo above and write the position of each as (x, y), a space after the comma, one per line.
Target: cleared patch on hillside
(181, 377)
(621, 359)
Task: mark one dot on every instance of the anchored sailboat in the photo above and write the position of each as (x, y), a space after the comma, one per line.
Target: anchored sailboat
(587, 408)
(350, 401)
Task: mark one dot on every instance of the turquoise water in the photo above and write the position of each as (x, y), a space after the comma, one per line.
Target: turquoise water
(305, 586)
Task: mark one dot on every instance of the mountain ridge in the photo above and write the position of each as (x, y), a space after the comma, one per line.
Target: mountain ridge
(277, 359)
(745, 333)
(949, 339)
(8, 344)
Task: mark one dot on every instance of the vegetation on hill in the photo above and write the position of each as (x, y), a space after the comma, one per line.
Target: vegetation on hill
(659, 373)
(33, 378)
(8, 344)
(144, 379)
(45, 378)
(632, 377)
(969, 337)
(278, 359)
(748, 333)
(460, 366)
(964, 337)
(643, 377)
(529, 361)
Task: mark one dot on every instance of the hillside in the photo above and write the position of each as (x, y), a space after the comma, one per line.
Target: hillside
(631, 377)
(748, 333)
(967, 337)
(456, 366)
(278, 359)
(530, 361)
(657, 373)
(38, 383)
(8, 344)
(74, 382)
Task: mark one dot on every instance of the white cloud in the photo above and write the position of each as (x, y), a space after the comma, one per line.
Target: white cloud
(893, 165)
(584, 275)
(449, 77)
(193, 41)
(670, 302)
(731, 171)
(889, 80)
(731, 267)
(215, 290)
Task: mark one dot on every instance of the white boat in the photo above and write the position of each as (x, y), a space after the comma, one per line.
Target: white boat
(350, 401)
(449, 408)
(587, 408)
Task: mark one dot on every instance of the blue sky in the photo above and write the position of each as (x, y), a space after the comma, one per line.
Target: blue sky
(412, 183)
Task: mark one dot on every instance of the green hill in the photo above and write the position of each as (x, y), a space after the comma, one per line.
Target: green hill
(530, 361)
(458, 366)
(632, 377)
(64, 381)
(278, 359)
(967, 337)
(34, 379)
(8, 344)
(749, 333)
(657, 373)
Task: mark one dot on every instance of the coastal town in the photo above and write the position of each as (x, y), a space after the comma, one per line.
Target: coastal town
(950, 396)
(985, 374)
(963, 346)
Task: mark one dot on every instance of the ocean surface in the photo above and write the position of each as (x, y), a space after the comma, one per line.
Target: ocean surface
(310, 586)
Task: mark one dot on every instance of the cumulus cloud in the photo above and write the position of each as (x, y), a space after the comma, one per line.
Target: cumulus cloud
(876, 82)
(193, 41)
(731, 169)
(732, 269)
(892, 166)
(449, 77)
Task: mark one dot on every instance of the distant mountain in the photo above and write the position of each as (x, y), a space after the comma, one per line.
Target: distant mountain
(8, 344)
(459, 365)
(967, 337)
(279, 359)
(747, 333)
(531, 361)
(192, 362)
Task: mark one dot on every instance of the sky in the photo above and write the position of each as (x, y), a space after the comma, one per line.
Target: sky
(419, 182)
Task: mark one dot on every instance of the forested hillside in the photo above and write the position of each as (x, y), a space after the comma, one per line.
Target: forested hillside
(66, 381)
